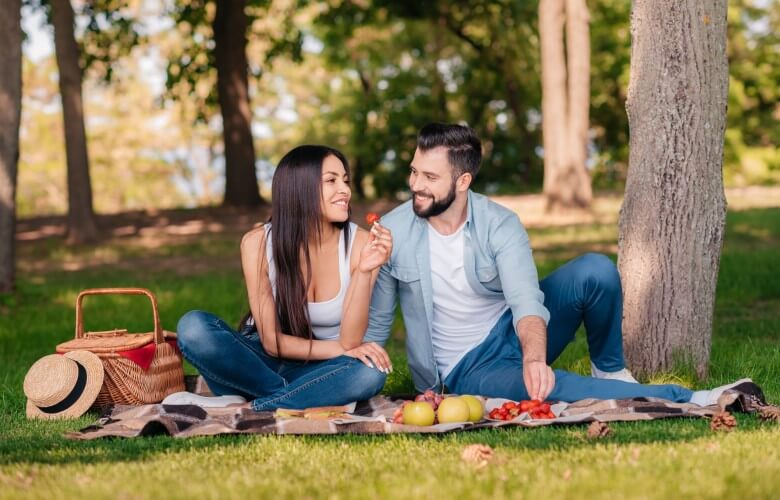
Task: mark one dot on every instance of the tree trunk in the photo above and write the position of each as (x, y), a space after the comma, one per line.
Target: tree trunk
(575, 179)
(10, 112)
(551, 19)
(673, 216)
(230, 25)
(82, 227)
(565, 103)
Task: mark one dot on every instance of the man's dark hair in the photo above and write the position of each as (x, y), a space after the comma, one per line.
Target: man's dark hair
(464, 149)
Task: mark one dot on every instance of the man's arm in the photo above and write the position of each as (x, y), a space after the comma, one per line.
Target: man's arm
(538, 376)
(382, 310)
(520, 284)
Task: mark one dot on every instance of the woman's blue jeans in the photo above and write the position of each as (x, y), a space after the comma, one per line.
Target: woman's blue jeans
(235, 363)
(586, 289)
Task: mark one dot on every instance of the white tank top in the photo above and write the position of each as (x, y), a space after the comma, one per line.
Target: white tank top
(325, 316)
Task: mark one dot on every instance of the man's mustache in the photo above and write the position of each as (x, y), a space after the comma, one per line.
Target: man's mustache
(421, 194)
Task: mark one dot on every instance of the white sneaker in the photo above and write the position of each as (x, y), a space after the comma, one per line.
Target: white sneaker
(188, 398)
(623, 375)
(710, 397)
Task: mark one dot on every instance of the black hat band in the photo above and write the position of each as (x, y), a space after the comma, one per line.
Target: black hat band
(75, 394)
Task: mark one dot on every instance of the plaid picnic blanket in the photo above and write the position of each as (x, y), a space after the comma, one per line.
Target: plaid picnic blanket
(375, 417)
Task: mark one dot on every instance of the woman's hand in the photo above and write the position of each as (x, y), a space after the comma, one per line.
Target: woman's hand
(377, 250)
(373, 355)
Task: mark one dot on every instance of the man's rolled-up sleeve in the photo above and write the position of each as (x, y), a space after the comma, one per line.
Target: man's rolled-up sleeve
(516, 268)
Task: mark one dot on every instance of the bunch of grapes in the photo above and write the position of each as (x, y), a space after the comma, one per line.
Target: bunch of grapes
(431, 397)
(398, 415)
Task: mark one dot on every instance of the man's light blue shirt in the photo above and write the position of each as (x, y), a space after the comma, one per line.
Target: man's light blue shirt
(498, 262)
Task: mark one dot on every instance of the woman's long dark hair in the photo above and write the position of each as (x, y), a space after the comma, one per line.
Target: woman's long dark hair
(296, 217)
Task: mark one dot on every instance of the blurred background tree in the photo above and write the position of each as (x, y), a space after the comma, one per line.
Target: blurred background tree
(10, 116)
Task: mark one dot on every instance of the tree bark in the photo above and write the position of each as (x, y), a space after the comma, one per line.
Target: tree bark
(551, 22)
(82, 227)
(10, 113)
(230, 25)
(673, 216)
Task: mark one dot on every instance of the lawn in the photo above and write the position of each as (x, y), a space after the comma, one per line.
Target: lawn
(641, 460)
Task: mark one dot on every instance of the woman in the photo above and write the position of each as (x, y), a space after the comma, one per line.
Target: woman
(309, 275)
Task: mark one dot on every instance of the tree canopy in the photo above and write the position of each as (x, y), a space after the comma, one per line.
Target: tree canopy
(362, 76)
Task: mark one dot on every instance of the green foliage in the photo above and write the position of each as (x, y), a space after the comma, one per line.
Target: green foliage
(413, 63)
(364, 76)
(191, 62)
(753, 133)
(111, 33)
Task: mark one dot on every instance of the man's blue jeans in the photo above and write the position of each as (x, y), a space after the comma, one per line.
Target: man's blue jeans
(586, 289)
(235, 363)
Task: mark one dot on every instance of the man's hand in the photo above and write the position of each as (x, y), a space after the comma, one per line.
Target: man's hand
(539, 379)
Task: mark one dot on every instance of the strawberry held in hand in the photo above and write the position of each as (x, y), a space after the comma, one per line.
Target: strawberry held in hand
(371, 218)
(379, 247)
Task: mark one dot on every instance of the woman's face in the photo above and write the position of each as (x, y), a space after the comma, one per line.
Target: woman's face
(335, 190)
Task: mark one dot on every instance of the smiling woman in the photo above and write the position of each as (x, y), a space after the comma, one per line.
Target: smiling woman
(309, 274)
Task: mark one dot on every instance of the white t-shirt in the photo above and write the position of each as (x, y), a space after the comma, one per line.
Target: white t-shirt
(461, 318)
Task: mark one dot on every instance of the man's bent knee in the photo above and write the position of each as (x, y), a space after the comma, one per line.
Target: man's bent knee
(598, 269)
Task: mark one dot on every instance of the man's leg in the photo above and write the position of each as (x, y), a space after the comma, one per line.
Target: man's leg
(495, 369)
(586, 289)
(571, 387)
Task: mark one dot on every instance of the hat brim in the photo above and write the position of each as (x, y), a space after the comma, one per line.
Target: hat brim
(94, 368)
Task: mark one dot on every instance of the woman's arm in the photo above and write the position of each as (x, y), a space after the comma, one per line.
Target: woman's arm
(369, 252)
(261, 302)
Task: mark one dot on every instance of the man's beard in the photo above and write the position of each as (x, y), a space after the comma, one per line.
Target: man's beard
(437, 207)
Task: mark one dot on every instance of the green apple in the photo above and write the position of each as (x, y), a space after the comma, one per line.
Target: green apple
(452, 410)
(475, 407)
(419, 413)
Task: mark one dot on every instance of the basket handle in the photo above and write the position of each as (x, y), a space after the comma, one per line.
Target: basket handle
(158, 331)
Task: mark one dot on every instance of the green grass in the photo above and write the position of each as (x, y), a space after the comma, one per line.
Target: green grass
(642, 460)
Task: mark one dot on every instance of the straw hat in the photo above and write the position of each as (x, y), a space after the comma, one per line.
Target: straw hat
(63, 386)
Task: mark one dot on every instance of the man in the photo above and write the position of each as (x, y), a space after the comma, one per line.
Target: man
(478, 321)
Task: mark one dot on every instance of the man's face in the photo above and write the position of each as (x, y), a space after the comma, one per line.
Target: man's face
(431, 182)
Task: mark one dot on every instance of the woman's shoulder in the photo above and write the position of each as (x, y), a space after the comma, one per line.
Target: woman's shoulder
(254, 239)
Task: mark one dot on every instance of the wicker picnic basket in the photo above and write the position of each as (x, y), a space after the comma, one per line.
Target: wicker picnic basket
(140, 368)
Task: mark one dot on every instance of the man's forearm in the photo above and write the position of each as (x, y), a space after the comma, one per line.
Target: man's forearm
(532, 331)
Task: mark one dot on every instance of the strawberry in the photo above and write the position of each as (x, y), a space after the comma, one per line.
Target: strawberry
(371, 218)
